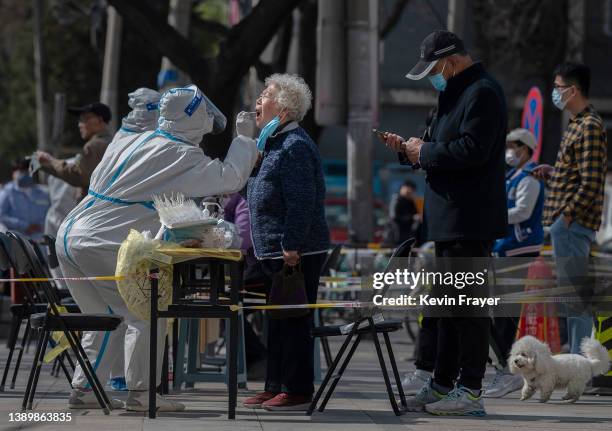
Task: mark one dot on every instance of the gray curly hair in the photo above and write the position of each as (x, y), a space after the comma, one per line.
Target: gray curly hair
(293, 96)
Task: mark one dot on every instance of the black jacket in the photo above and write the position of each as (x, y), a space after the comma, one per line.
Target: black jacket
(465, 194)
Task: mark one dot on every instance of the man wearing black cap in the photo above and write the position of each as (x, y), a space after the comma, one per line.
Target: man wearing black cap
(464, 209)
(93, 126)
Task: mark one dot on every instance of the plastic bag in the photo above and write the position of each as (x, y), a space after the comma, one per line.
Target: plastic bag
(134, 262)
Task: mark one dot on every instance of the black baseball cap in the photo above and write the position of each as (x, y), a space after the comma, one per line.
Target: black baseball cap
(100, 109)
(437, 45)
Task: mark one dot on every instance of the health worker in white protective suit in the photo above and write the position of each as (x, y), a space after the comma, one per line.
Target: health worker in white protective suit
(144, 114)
(165, 161)
(142, 118)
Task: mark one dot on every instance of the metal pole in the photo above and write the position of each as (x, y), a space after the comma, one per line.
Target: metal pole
(178, 17)
(455, 19)
(330, 97)
(575, 42)
(112, 58)
(362, 54)
(42, 121)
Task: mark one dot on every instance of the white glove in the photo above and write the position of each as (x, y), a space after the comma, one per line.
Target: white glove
(245, 124)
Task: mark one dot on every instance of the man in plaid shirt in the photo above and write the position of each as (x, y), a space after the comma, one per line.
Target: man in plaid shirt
(574, 202)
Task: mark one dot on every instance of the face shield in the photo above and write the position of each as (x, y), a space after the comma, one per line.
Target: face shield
(188, 114)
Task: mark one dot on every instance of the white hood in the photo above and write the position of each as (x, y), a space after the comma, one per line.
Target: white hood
(145, 111)
(183, 115)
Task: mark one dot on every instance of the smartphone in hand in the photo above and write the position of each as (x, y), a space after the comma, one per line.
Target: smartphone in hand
(381, 135)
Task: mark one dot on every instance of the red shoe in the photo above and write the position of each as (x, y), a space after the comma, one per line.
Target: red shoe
(256, 401)
(288, 402)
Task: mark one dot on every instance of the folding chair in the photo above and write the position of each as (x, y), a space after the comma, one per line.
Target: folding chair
(331, 262)
(33, 303)
(52, 320)
(364, 323)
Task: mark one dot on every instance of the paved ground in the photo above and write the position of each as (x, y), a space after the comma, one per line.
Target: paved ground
(360, 403)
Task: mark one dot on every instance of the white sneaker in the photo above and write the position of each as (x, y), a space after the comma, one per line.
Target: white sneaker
(426, 395)
(413, 382)
(138, 401)
(503, 384)
(458, 402)
(80, 399)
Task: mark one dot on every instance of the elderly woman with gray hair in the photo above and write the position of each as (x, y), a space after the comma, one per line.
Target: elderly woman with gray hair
(285, 196)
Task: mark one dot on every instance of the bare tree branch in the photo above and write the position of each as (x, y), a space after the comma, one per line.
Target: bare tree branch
(393, 18)
(163, 37)
(208, 26)
(242, 49)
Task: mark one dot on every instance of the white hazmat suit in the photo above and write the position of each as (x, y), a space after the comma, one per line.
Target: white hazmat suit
(142, 118)
(167, 160)
(144, 114)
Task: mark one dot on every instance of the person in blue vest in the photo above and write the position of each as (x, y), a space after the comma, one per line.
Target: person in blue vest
(525, 195)
(523, 239)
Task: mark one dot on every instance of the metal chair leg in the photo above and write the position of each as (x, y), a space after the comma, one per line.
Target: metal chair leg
(338, 376)
(39, 363)
(24, 341)
(64, 369)
(26, 394)
(325, 343)
(69, 359)
(90, 374)
(330, 372)
(11, 342)
(396, 375)
(383, 368)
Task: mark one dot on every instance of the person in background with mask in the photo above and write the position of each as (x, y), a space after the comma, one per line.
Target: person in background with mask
(24, 204)
(162, 162)
(464, 210)
(525, 194)
(93, 127)
(574, 202)
(524, 238)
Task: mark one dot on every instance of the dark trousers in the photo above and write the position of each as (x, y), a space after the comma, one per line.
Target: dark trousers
(290, 345)
(427, 345)
(463, 342)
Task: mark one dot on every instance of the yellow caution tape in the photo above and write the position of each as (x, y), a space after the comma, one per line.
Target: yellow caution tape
(234, 307)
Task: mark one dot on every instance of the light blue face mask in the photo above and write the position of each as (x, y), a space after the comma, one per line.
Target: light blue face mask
(557, 98)
(438, 81)
(266, 132)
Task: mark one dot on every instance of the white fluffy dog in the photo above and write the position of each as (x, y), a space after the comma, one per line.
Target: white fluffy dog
(541, 370)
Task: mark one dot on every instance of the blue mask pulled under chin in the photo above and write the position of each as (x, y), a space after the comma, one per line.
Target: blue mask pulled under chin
(266, 132)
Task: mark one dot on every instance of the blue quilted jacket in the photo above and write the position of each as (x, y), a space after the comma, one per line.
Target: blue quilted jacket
(286, 197)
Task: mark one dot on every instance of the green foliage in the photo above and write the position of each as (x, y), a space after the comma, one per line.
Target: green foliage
(208, 10)
(73, 67)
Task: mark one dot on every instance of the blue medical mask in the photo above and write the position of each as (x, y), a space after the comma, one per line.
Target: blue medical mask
(266, 132)
(557, 98)
(438, 81)
(24, 180)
